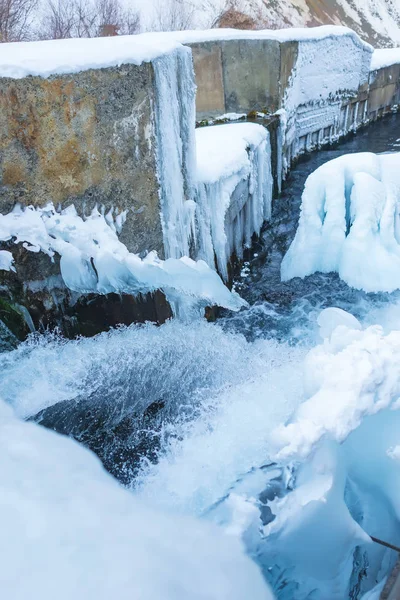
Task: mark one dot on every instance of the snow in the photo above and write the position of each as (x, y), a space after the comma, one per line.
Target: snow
(226, 156)
(71, 531)
(348, 425)
(223, 150)
(385, 57)
(376, 19)
(47, 58)
(94, 260)
(6, 261)
(350, 211)
(232, 116)
(350, 376)
(331, 318)
(293, 34)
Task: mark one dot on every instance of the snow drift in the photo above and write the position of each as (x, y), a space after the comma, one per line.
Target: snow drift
(349, 223)
(71, 531)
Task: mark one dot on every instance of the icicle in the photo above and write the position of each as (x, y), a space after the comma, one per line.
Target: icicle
(174, 123)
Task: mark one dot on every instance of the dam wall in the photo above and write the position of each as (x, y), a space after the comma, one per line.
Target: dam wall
(109, 125)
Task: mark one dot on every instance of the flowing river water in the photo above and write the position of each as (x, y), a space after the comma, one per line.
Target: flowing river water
(183, 413)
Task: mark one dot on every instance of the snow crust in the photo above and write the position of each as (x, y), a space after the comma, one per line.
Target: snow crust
(71, 531)
(228, 155)
(92, 259)
(385, 57)
(292, 34)
(349, 223)
(52, 57)
(46, 58)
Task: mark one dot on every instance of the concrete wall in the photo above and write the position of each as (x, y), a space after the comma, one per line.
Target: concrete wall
(247, 75)
(85, 138)
(90, 138)
(384, 91)
(241, 75)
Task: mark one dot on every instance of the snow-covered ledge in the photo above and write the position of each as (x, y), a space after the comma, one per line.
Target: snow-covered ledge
(234, 189)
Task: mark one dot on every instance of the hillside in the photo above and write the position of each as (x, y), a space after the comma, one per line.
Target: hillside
(376, 21)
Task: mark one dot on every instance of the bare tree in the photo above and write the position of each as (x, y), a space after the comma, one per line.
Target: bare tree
(83, 18)
(58, 21)
(113, 19)
(15, 19)
(173, 15)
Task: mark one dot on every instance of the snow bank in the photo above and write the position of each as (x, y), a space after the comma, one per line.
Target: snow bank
(385, 58)
(94, 260)
(349, 223)
(227, 155)
(71, 531)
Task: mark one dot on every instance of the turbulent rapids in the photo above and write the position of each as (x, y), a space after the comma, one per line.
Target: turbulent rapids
(279, 423)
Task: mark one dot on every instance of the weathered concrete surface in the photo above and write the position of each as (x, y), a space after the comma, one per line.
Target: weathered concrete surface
(251, 70)
(384, 91)
(207, 61)
(86, 138)
(237, 76)
(81, 139)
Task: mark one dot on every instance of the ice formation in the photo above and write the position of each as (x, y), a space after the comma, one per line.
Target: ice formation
(349, 223)
(317, 97)
(327, 476)
(176, 158)
(227, 214)
(71, 531)
(349, 425)
(94, 260)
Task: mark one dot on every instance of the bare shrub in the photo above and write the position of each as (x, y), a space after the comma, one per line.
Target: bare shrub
(235, 19)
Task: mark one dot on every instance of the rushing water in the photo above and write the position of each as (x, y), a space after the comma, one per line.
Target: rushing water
(183, 414)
